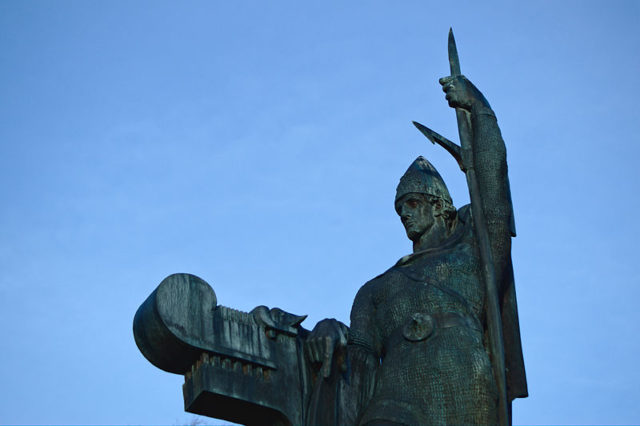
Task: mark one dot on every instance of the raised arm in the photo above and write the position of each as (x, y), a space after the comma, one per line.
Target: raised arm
(490, 163)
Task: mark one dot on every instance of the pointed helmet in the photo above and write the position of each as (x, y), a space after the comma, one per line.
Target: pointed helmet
(423, 178)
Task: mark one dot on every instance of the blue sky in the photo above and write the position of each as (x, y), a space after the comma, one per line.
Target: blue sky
(258, 146)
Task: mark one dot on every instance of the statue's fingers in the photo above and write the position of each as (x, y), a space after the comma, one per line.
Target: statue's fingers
(342, 352)
(446, 80)
(449, 87)
(329, 345)
(312, 350)
(307, 350)
(317, 352)
(343, 340)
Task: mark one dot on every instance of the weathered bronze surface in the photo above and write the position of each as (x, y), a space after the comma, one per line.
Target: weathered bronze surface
(433, 340)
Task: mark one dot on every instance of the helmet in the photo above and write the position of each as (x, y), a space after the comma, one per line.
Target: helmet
(423, 178)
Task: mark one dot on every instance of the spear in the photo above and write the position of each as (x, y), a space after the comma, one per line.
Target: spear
(464, 156)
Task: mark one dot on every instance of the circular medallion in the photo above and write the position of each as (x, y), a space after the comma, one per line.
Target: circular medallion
(419, 327)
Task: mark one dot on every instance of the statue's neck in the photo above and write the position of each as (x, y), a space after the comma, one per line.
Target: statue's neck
(433, 237)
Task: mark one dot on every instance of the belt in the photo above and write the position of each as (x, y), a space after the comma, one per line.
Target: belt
(422, 325)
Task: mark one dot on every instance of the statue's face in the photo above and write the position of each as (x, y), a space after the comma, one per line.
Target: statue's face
(416, 214)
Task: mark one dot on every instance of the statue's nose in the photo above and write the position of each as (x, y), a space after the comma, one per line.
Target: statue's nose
(404, 216)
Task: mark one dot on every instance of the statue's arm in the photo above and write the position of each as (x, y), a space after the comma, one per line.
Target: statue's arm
(345, 361)
(363, 351)
(490, 163)
(490, 160)
(358, 389)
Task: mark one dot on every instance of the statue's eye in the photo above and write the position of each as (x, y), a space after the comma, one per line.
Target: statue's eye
(413, 203)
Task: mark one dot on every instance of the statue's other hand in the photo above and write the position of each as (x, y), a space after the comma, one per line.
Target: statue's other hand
(461, 93)
(327, 338)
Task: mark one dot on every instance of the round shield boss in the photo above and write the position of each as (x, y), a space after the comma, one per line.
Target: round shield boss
(419, 328)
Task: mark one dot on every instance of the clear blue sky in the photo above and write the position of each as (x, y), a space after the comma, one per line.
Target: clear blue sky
(259, 145)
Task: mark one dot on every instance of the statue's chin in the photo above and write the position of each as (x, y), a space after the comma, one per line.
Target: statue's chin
(413, 235)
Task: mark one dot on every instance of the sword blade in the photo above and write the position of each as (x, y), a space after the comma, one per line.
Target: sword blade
(454, 61)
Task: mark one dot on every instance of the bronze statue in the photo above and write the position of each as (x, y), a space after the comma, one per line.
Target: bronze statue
(417, 350)
(433, 340)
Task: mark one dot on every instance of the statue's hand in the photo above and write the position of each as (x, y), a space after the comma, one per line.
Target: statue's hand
(461, 93)
(328, 337)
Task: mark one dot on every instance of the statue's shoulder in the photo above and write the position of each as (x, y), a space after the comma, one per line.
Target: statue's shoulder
(376, 289)
(369, 296)
(377, 283)
(465, 222)
(372, 286)
(464, 213)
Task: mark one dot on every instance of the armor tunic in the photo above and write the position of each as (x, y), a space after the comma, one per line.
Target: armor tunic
(411, 307)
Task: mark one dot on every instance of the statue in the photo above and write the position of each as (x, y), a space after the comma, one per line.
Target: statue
(433, 340)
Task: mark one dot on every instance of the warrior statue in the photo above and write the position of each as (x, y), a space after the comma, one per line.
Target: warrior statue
(433, 340)
(418, 350)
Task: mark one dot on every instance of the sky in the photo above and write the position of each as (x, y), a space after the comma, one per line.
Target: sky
(258, 145)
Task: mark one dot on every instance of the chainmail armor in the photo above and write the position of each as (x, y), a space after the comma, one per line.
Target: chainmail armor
(454, 383)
